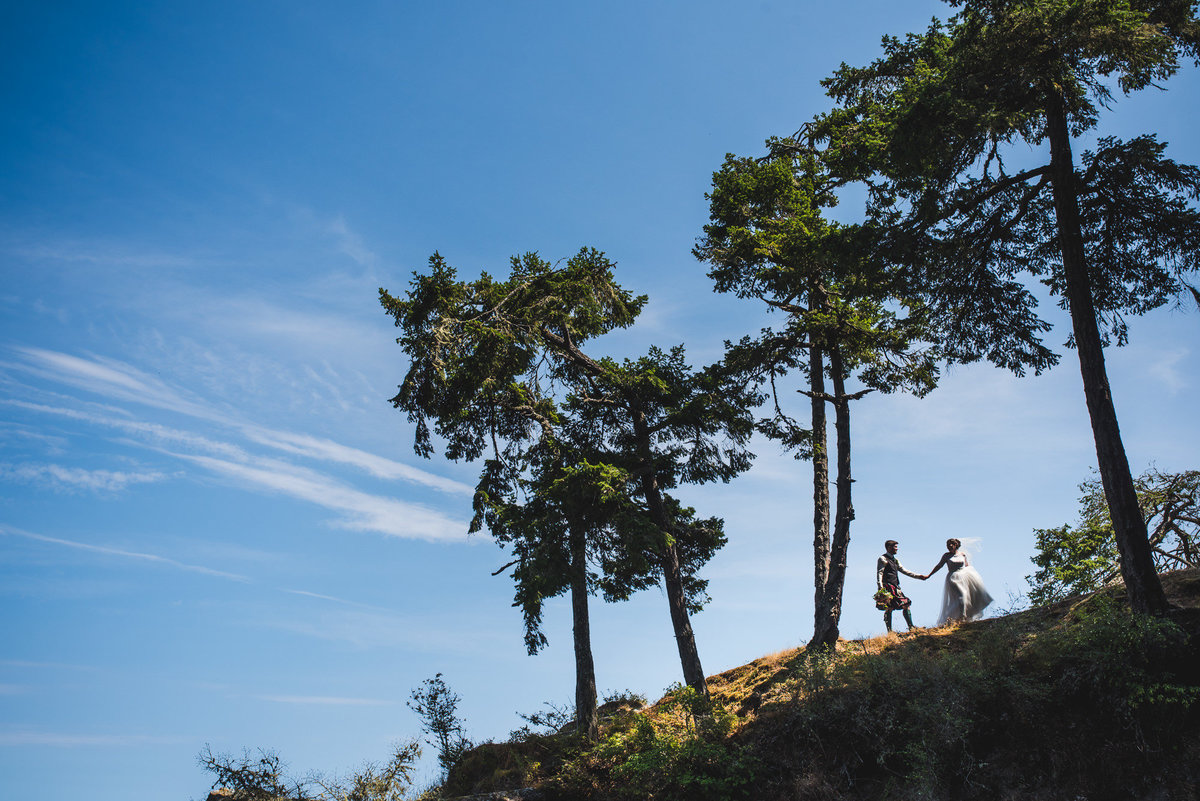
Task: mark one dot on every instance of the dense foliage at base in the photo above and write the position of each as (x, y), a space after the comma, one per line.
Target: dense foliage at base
(1082, 695)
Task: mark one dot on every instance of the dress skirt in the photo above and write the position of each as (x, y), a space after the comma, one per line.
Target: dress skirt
(965, 597)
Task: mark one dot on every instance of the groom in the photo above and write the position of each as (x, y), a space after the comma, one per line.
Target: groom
(887, 577)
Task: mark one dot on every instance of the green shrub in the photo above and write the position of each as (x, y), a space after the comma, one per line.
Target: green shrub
(1129, 670)
(1098, 697)
(898, 718)
(684, 752)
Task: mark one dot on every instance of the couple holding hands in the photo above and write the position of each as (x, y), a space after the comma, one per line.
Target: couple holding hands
(964, 598)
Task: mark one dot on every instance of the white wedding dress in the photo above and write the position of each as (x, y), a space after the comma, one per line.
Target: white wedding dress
(965, 597)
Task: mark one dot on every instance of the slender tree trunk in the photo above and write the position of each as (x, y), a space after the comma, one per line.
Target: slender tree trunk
(825, 632)
(1137, 562)
(689, 656)
(586, 719)
(685, 639)
(820, 464)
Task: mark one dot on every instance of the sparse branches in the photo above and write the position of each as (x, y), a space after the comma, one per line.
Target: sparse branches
(259, 776)
(374, 782)
(437, 706)
(1082, 557)
(555, 719)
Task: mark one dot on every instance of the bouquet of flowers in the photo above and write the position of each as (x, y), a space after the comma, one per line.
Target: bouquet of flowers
(883, 598)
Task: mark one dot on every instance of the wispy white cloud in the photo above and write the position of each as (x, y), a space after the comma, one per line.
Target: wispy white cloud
(59, 477)
(977, 404)
(108, 551)
(369, 630)
(305, 332)
(323, 700)
(317, 448)
(110, 378)
(23, 663)
(152, 431)
(166, 562)
(328, 384)
(334, 599)
(97, 252)
(363, 511)
(351, 244)
(59, 314)
(52, 443)
(127, 383)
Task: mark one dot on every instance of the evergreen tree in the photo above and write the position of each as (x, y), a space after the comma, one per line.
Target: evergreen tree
(843, 318)
(668, 424)
(929, 126)
(500, 363)
(478, 374)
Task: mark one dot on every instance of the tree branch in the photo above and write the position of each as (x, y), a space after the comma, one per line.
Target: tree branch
(506, 567)
(1002, 185)
(835, 398)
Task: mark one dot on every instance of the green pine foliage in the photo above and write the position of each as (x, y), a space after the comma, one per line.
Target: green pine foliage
(929, 127)
(583, 450)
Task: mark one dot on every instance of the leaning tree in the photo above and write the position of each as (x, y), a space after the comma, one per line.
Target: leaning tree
(478, 374)
(668, 424)
(1112, 234)
(500, 363)
(843, 318)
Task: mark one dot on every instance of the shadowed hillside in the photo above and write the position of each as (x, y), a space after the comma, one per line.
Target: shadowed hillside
(1077, 700)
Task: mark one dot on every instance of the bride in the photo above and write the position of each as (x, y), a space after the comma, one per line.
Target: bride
(965, 597)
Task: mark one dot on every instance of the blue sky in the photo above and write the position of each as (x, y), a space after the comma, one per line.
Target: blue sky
(212, 525)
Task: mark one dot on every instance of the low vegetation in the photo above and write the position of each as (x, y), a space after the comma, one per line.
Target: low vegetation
(264, 776)
(1079, 699)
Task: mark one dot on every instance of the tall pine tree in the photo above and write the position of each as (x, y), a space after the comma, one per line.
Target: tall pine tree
(930, 124)
(842, 318)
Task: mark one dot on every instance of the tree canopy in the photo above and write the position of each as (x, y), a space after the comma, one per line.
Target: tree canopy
(480, 374)
(1082, 557)
(593, 443)
(929, 127)
(845, 315)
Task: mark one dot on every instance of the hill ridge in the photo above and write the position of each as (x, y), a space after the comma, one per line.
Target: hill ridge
(1077, 699)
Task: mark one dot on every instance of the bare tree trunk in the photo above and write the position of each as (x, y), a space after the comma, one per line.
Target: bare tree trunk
(586, 718)
(1137, 562)
(829, 614)
(685, 639)
(820, 463)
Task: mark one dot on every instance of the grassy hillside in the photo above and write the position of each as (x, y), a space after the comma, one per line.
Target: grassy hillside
(1079, 700)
